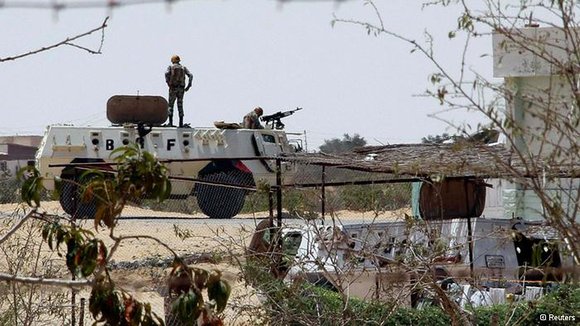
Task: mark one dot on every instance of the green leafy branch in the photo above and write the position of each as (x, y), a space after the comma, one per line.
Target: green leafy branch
(111, 306)
(138, 175)
(185, 289)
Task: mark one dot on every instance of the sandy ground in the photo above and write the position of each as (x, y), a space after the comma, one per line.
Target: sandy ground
(187, 235)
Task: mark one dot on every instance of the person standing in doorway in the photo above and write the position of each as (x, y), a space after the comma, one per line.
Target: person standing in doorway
(175, 79)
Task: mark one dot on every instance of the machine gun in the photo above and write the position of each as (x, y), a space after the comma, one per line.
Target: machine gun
(273, 120)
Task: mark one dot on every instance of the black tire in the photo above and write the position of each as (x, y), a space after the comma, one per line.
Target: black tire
(221, 202)
(71, 198)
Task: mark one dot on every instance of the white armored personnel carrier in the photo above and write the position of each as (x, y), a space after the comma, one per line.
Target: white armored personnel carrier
(227, 155)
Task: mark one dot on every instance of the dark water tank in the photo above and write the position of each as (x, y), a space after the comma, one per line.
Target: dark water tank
(452, 198)
(145, 109)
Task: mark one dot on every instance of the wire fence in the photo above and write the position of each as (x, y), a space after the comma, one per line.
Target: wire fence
(210, 221)
(206, 220)
(309, 191)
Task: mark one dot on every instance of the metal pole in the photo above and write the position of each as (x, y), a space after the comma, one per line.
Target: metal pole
(279, 211)
(82, 313)
(271, 231)
(73, 306)
(73, 291)
(323, 190)
(279, 191)
(271, 204)
(470, 240)
(469, 230)
(271, 215)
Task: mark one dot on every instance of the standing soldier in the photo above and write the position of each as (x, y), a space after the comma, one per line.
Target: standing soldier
(175, 78)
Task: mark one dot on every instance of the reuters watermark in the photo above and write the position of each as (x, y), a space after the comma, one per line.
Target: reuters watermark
(553, 317)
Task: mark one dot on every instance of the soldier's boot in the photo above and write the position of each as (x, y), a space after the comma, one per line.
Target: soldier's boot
(170, 123)
(180, 121)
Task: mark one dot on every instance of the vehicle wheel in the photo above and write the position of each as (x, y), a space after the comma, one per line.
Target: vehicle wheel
(71, 198)
(222, 202)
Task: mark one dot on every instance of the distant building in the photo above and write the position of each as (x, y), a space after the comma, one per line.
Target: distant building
(542, 96)
(31, 140)
(16, 151)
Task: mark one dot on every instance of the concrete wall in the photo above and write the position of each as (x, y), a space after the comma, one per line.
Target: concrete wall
(31, 140)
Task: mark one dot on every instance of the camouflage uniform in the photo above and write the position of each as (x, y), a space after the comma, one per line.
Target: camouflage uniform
(175, 78)
(252, 121)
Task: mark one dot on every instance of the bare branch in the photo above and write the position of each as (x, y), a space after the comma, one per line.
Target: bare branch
(17, 226)
(121, 238)
(66, 42)
(45, 281)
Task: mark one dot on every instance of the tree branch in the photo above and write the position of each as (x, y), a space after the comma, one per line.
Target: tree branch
(45, 281)
(121, 238)
(66, 42)
(16, 226)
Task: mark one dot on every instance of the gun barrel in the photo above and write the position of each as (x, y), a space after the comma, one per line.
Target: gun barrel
(279, 115)
(274, 116)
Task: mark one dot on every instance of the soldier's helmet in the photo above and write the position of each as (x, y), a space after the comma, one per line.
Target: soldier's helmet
(175, 59)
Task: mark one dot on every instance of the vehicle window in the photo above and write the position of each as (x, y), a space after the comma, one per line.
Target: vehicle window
(266, 236)
(291, 243)
(268, 138)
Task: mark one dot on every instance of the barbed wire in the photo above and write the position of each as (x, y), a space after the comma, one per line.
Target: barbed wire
(68, 41)
(57, 5)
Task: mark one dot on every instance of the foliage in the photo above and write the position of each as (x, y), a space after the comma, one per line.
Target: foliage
(12, 187)
(306, 202)
(298, 202)
(437, 139)
(376, 198)
(116, 307)
(27, 304)
(256, 201)
(306, 304)
(138, 175)
(83, 251)
(563, 301)
(536, 109)
(486, 135)
(185, 290)
(31, 188)
(346, 144)
(302, 202)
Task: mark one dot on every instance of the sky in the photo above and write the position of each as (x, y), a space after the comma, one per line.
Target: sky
(242, 53)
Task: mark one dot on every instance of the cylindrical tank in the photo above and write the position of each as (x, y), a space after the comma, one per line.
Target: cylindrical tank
(452, 198)
(137, 109)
